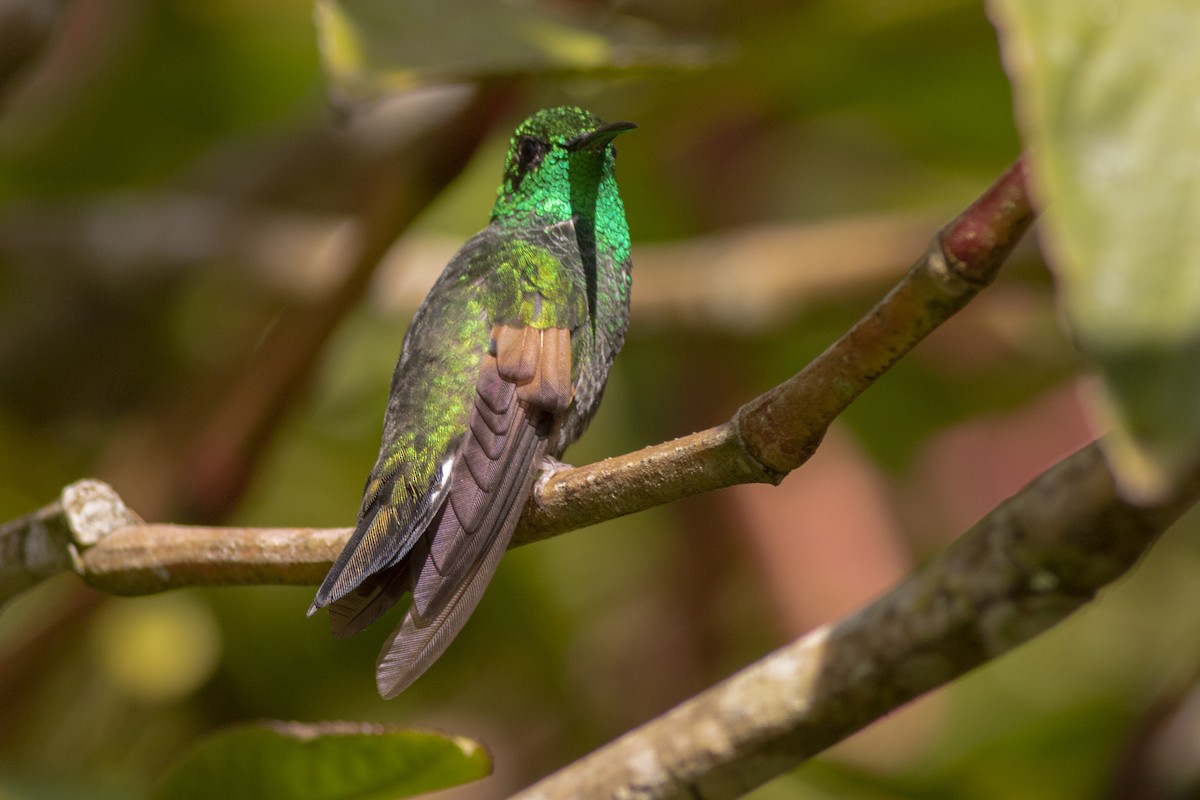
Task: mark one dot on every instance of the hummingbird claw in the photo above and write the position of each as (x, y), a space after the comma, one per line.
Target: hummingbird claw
(550, 467)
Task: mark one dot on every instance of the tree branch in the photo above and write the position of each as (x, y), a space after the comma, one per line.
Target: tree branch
(48, 541)
(776, 432)
(1024, 567)
(768, 437)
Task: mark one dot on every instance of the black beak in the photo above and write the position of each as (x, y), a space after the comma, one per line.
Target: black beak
(604, 133)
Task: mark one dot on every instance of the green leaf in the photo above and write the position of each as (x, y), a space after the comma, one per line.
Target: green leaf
(374, 47)
(1108, 94)
(323, 761)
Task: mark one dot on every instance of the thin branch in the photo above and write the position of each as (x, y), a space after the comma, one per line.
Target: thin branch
(26, 28)
(144, 559)
(48, 541)
(702, 283)
(1026, 566)
(769, 436)
(776, 432)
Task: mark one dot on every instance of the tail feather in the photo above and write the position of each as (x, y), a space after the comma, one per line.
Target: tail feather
(522, 386)
(420, 641)
(468, 540)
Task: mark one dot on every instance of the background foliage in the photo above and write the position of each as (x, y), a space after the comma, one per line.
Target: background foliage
(175, 188)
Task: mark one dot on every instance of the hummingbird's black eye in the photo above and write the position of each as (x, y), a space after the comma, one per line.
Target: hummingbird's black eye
(530, 152)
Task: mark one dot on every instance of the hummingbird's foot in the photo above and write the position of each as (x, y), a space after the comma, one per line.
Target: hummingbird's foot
(550, 467)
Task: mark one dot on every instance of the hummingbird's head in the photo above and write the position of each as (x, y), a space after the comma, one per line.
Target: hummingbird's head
(558, 161)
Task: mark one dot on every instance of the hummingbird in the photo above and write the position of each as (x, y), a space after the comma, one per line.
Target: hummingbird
(501, 368)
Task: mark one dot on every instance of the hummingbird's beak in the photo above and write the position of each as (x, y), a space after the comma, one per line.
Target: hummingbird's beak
(604, 133)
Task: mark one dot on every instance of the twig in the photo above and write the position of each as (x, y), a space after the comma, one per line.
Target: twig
(1026, 566)
(26, 27)
(687, 284)
(702, 283)
(144, 559)
(48, 541)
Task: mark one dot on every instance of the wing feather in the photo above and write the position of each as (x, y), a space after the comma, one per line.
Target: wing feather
(498, 460)
(481, 491)
(358, 586)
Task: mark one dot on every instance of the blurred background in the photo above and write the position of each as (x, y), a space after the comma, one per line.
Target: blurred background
(201, 304)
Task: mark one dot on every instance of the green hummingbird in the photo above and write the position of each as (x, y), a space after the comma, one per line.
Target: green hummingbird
(502, 367)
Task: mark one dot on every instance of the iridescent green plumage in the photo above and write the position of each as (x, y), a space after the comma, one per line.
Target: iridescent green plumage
(502, 367)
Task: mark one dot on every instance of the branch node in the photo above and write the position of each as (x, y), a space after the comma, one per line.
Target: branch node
(977, 241)
(92, 510)
(766, 472)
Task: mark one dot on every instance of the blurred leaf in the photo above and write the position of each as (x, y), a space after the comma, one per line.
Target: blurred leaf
(373, 47)
(323, 761)
(34, 785)
(1107, 94)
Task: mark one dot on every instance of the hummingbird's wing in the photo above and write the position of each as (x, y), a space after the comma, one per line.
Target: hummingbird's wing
(428, 407)
(524, 385)
(375, 556)
(370, 574)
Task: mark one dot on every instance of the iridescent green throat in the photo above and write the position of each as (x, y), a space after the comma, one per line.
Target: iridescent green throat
(549, 178)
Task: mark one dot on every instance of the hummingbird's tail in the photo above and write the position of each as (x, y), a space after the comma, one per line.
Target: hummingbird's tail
(420, 639)
(417, 643)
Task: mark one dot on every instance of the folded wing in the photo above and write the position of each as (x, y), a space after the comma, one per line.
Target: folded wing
(524, 385)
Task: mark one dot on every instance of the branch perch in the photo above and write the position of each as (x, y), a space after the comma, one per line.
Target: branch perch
(48, 541)
(1024, 567)
(767, 438)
